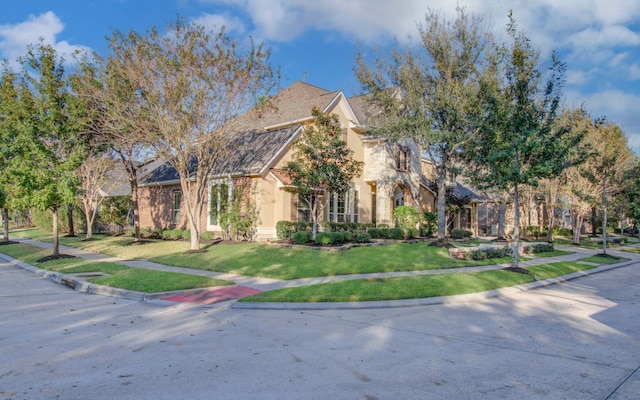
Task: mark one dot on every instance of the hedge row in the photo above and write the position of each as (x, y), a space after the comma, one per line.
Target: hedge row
(492, 252)
(168, 234)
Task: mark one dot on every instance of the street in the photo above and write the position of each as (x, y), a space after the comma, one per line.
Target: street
(576, 340)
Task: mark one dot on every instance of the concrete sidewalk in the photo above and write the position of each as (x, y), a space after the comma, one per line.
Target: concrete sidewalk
(247, 285)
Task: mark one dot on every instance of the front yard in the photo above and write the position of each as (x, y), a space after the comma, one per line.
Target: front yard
(285, 263)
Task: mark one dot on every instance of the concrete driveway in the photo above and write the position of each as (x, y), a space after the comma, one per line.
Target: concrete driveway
(576, 340)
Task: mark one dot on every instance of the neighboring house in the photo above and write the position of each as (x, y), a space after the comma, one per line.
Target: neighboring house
(464, 218)
(262, 143)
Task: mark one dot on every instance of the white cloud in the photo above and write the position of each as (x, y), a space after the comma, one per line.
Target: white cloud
(215, 22)
(15, 38)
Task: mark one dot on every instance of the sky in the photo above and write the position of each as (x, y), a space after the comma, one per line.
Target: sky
(316, 40)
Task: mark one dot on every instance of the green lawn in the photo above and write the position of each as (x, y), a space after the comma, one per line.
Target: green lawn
(137, 279)
(263, 260)
(414, 287)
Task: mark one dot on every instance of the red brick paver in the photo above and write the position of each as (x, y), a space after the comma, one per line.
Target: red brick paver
(216, 295)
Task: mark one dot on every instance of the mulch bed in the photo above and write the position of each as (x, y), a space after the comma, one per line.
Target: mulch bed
(52, 257)
(5, 242)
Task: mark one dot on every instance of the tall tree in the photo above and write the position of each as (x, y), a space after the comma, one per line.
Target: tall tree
(322, 163)
(51, 147)
(194, 83)
(434, 85)
(606, 166)
(516, 144)
(11, 118)
(117, 115)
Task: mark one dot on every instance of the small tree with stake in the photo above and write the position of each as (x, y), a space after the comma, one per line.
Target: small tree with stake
(322, 163)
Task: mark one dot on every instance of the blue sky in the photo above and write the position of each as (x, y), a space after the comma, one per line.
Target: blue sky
(598, 39)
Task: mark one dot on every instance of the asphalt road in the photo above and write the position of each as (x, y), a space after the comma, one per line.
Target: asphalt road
(576, 340)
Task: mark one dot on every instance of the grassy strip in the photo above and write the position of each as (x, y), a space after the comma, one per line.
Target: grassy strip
(262, 260)
(129, 278)
(604, 260)
(414, 287)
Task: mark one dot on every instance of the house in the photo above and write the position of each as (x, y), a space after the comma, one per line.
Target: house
(262, 143)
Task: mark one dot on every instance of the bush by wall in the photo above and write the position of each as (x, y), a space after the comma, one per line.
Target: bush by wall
(458, 233)
(301, 237)
(395, 234)
(362, 237)
(283, 230)
(405, 217)
(324, 238)
(375, 233)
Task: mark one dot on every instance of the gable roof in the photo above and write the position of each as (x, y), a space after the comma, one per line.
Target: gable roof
(253, 152)
(262, 134)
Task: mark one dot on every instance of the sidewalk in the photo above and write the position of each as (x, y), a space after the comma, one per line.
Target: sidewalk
(246, 285)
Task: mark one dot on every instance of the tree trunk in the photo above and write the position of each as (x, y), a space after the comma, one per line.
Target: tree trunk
(5, 223)
(516, 227)
(195, 233)
(314, 217)
(442, 197)
(551, 218)
(593, 222)
(134, 205)
(576, 224)
(502, 217)
(604, 216)
(72, 230)
(56, 241)
(88, 217)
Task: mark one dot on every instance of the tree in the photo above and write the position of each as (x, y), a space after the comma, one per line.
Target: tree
(97, 176)
(516, 144)
(606, 166)
(10, 120)
(50, 147)
(194, 83)
(117, 115)
(322, 163)
(631, 192)
(434, 85)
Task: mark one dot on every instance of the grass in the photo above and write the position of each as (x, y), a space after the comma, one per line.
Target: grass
(415, 287)
(268, 261)
(600, 260)
(129, 278)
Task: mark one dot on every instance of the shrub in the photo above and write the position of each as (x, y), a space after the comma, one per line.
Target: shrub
(338, 237)
(429, 223)
(405, 217)
(382, 226)
(207, 235)
(300, 226)
(172, 234)
(395, 234)
(131, 232)
(562, 231)
(477, 255)
(347, 236)
(538, 248)
(375, 233)
(283, 230)
(186, 234)
(324, 238)
(156, 233)
(412, 233)
(458, 233)
(362, 237)
(301, 237)
(619, 240)
(533, 231)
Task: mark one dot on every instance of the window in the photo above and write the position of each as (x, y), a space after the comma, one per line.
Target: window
(304, 210)
(398, 197)
(218, 202)
(177, 201)
(403, 158)
(344, 207)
